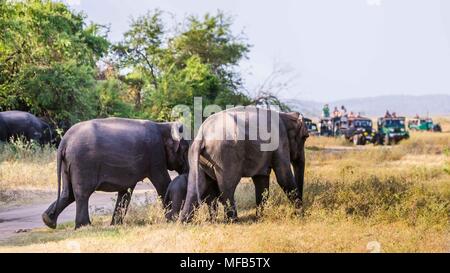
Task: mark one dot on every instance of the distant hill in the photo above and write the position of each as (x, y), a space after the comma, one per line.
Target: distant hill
(376, 106)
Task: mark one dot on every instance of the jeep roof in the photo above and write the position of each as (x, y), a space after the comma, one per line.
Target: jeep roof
(360, 118)
(391, 118)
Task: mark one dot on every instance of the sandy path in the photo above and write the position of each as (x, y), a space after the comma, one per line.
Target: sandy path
(15, 220)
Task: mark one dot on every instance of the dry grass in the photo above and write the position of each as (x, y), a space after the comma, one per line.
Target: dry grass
(326, 226)
(27, 172)
(315, 142)
(445, 123)
(292, 236)
(397, 196)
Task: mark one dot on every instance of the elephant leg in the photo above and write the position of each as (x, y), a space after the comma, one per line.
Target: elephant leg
(261, 185)
(175, 205)
(286, 180)
(227, 187)
(82, 212)
(169, 213)
(212, 198)
(122, 203)
(50, 216)
(173, 211)
(229, 207)
(160, 180)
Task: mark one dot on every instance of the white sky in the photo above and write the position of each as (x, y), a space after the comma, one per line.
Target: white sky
(340, 49)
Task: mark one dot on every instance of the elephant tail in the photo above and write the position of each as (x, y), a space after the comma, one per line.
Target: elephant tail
(59, 158)
(197, 171)
(197, 176)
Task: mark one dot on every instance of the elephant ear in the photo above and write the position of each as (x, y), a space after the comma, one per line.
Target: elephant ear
(297, 132)
(303, 133)
(176, 135)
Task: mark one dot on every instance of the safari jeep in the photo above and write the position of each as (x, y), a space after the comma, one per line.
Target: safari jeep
(332, 126)
(312, 127)
(326, 127)
(392, 130)
(359, 131)
(423, 124)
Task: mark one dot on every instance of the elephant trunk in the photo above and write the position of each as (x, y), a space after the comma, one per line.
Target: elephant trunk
(299, 172)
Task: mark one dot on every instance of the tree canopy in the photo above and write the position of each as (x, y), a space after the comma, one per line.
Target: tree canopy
(198, 59)
(48, 58)
(57, 66)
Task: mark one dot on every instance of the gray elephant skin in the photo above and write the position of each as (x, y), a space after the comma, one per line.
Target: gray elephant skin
(230, 159)
(176, 195)
(23, 124)
(113, 155)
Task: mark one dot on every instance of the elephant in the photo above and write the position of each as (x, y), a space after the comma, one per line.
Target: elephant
(113, 155)
(226, 148)
(23, 124)
(176, 194)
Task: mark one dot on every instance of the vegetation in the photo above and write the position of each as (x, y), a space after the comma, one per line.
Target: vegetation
(48, 59)
(55, 65)
(397, 197)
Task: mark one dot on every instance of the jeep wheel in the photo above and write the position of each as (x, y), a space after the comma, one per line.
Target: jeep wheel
(387, 140)
(437, 128)
(363, 140)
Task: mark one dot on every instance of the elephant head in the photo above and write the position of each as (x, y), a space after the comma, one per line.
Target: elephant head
(176, 147)
(297, 134)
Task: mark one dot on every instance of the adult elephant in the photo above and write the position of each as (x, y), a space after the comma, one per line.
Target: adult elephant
(113, 155)
(23, 124)
(227, 149)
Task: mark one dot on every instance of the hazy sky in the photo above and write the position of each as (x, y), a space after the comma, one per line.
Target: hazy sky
(339, 49)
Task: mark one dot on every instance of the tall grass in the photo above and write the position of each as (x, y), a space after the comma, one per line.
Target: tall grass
(374, 199)
(426, 143)
(444, 122)
(20, 149)
(26, 170)
(399, 196)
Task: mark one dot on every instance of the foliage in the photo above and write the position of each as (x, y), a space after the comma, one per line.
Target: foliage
(55, 65)
(110, 99)
(48, 59)
(199, 59)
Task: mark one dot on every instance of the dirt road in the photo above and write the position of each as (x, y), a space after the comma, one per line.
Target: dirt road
(17, 220)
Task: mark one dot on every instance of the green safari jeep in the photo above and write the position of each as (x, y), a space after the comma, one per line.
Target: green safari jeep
(392, 130)
(423, 124)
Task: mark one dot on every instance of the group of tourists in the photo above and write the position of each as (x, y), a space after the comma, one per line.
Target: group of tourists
(338, 113)
(389, 115)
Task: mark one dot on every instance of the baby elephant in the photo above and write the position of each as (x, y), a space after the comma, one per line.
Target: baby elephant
(176, 195)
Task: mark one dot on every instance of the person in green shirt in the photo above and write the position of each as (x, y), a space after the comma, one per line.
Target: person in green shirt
(326, 111)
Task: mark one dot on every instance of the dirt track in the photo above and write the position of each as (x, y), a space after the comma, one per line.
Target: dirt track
(19, 219)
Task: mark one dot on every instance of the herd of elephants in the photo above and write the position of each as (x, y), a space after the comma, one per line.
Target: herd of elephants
(114, 154)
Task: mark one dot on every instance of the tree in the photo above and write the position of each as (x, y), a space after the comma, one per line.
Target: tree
(142, 45)
(198, 59)
(212, 40)
(48, 58)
